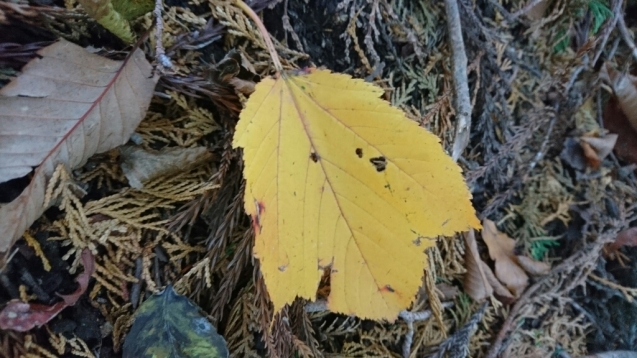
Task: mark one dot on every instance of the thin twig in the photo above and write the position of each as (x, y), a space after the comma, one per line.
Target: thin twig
(163, 61)
(623, 30)
(407, 316)
(264, 32)
(410, 318)
(461, 86)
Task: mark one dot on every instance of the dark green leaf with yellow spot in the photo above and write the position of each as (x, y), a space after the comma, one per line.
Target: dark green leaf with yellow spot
(169, 325)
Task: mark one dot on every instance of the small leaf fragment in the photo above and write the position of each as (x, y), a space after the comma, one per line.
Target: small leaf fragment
(627, 237)
(533, 267)
(22, 316)
(140, 165)
(170, 325)
(475, 281)
(337, 178)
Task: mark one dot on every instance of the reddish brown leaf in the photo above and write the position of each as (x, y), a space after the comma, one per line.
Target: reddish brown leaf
(21, 316)
(603, 145)
(625, 89)
(616, 122)
(627, 237)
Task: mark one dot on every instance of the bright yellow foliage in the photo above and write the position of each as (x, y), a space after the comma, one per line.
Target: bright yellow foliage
(337, 178)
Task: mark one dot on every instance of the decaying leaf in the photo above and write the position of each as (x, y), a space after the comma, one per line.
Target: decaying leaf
(498, 287)
(66, 106)
(170, 325)
(337, 178)
(625, 89)
(115, 14)
(597, 148)
(616, 122)
(234, 70)
(533, 267)
(626, 237)
(475, 282)
(140, 165)
(22, 316)
(510, 269)
(588, 150)
(501, 251)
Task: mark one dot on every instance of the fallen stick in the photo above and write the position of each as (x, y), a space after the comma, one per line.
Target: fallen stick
(460, 82)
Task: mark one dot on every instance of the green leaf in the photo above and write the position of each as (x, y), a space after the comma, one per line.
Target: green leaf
(169, 325)
(114, 15)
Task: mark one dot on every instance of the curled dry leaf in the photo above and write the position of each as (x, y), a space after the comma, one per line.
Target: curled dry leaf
(533, 267)
(498, 287)
(626, 237)
(510, 268)
(616, 122)
(140, 165)
(22, 316)
(501, 251)
(597, 148)
(236, 71)
(66, 106)
(337, 178)
(475, 281)
(625, 89)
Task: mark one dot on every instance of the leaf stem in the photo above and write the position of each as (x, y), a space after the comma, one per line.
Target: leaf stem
(264, 32)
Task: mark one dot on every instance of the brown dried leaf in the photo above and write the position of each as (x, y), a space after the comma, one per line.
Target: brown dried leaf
(140, 165)
(616, 122)
(446, 291)
(626, 237)
(66, 106)
(533, 267)
(597, 148)
(498, 287)
(22, 316)
(475, 282)
(501, 251)
(625, 88)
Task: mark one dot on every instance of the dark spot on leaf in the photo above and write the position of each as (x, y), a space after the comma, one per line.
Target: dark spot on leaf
(314, 157)
(388, 288)
(417, 241)
(359, 152)
(380, 163)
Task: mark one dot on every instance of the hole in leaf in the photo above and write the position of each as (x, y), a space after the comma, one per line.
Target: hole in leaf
(314, 157)
(380, 163)
(359, 152)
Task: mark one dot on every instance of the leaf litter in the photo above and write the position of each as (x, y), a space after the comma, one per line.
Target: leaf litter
(524, 104)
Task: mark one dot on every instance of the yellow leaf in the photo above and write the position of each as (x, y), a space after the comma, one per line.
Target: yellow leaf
(337, 178)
